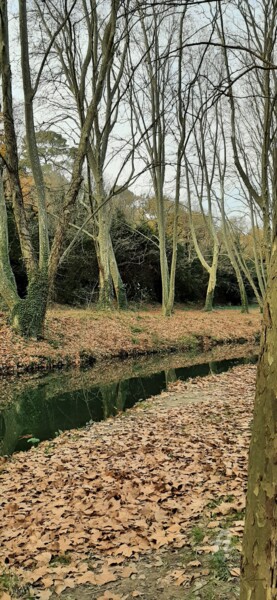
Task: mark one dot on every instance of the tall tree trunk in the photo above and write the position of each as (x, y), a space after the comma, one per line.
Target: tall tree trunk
(8, 289)
(103, 244)
(164, 277)
(27, 315)
(31, 138)
(163, 256)
(171, 291)
(212, 280)
(233, 260)
(243, 294)
(259, 561)
(242, 290)
(11, 155)
(119, 287)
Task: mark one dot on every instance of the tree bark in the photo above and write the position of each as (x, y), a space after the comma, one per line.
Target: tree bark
(31, 138)
(212, 280)
(28, 314)
(119, 287)
(11, 155)
(259, 565)
(8, 289)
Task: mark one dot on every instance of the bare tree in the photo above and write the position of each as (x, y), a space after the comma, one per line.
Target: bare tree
(259, 561)
(253, 117)
(28, 314)
(202, 177)
(160, 96)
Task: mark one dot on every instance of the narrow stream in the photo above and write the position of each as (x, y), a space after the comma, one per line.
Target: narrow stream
(40, 407)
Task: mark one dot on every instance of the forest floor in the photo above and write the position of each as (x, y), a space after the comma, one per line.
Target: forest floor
(144, 505)
(82, 336)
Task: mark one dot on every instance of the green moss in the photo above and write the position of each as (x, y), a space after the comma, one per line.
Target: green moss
(28, 315)
(105, 295)
(122, 303)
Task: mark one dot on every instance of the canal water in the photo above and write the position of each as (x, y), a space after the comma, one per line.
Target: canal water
(39, 407)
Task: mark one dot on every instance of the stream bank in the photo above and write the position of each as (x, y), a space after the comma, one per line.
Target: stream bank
(37, 407)
(75, 337)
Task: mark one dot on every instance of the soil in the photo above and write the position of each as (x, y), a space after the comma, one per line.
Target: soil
(153, 579)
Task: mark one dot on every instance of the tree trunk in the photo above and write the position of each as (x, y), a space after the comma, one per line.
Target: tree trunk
(209, 296)
(11, 155)
(31, 138)
(172, 278)
(8, 289)
(259, 567)
(234, 263)
(163, 261)
(119, 287)
(212, 280)
(28, 314)
(165, 279)
(103, 242)
(243, 294)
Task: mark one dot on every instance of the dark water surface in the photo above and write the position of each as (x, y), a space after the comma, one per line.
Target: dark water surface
(41, 407)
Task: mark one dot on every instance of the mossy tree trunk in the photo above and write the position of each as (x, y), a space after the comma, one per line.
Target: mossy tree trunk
(28, 320)
(259, 557)
(28, 314)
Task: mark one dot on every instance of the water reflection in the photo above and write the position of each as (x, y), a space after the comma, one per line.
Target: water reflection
(42, 407)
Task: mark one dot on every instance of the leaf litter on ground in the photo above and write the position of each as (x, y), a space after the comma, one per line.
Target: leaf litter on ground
(74, 334)
(126, 487)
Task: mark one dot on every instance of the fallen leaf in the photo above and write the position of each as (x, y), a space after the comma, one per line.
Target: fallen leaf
(43, 594)
(208, 549)
(43, 558)
(5, 596)
(59, 588)
(88, 577)
(127, 572)
(105, 577)
(194, 563)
